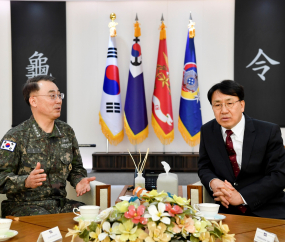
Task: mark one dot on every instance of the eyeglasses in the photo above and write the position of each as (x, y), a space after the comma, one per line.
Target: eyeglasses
(54, 96)
(228, 105)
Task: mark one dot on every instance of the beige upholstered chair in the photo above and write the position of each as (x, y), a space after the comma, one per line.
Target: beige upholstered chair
(198, 194)
(99, 195)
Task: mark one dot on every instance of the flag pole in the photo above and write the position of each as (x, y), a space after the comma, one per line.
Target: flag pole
(163, 149)
(107, 146)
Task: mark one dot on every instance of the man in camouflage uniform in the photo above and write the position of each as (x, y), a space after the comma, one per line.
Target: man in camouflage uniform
(39, 155)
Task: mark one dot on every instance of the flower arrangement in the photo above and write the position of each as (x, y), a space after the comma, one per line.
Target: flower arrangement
(151, 217)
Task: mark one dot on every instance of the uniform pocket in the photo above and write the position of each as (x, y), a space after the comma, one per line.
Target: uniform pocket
(30, 160)
(66, 156)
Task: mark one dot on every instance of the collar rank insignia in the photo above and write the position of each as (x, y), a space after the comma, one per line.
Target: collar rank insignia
(70, 167)
(8, 145)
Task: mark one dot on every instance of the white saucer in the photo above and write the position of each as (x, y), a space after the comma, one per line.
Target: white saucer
(217, 218)
(8, 235)
(125, 198)
(76, 219)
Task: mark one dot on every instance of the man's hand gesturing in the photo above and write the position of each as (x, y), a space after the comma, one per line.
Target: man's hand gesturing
(35, 178)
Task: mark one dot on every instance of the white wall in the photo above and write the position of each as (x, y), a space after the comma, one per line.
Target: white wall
(87, 43)
(5, 69)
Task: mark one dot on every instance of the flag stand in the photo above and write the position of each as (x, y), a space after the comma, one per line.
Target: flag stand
(107, 146)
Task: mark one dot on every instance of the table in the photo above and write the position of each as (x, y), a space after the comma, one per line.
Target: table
(29, 227)
(125, 192)
(244, 227)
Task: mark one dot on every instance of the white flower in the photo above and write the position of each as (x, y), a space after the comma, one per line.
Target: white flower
(77, 229)
(108, 231)
(105, 213)
(158, 215)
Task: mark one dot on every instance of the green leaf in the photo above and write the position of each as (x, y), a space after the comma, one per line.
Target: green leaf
(92, 227)
(193, 238)
(140, 226)
(189, 211)
(84, 235)
(114, 215)
(124, 219)
(216, 232)
(181, 215)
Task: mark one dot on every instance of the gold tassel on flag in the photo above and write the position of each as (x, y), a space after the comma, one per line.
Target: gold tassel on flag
(113, 139)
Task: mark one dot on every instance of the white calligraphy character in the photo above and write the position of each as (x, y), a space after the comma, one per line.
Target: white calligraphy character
(264, 67)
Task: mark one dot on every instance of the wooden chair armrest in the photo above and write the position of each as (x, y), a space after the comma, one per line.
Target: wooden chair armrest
(98, 195)
(195, 193)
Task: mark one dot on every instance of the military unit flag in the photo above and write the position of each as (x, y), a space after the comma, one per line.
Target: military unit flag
(190, 119)
(110, 115)
(162, 117)
(135, 118)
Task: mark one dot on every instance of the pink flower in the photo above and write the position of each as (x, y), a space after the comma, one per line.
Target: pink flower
(184, 224)
(173, 210)
(136, 215)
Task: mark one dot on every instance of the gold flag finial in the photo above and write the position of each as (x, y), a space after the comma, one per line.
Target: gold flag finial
(191, 27)
(112, 25)
(112, 16)
(162, 29)
(137, 27)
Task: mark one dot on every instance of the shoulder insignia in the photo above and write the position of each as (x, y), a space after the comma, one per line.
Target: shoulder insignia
(8, 145)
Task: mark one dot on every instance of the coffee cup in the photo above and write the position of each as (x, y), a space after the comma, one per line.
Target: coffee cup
(5, 224)
(87, 211)
(208, 210)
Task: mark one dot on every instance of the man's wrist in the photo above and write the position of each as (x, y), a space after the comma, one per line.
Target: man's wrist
(244, 202)
(25, 183)
(210, 183)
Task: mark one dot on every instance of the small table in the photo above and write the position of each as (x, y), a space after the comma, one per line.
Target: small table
(125, 192)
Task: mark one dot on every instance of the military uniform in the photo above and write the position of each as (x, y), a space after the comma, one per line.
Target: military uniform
(21, 148)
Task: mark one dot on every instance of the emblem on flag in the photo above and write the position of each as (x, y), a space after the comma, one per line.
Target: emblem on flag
(135, 118)
(110, 115)
(190, 119)
(8, 145)
(162, 116)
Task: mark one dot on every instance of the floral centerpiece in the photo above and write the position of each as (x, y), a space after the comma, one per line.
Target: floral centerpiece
(151, 217)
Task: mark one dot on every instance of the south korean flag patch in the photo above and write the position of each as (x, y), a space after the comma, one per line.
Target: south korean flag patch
(8, 145)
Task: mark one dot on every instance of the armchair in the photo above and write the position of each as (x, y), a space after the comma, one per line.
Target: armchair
(100, 194)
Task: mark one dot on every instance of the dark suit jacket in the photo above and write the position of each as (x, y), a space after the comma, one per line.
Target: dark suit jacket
(262, 177)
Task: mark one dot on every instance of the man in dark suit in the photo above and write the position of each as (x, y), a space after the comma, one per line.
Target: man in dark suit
(242, 160)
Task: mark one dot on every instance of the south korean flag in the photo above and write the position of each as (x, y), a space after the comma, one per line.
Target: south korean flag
(8, 145)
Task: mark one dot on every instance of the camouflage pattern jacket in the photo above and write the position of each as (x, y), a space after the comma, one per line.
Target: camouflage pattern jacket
(25, 145)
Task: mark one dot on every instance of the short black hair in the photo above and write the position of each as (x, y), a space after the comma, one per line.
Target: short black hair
(31, 85)
(227, 87)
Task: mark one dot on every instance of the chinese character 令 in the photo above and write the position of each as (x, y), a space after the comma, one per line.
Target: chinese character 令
(37, 65)
(264, 67)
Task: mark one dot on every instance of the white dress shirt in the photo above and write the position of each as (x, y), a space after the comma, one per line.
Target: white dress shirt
(237, 139)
